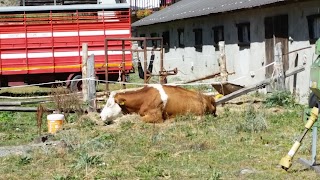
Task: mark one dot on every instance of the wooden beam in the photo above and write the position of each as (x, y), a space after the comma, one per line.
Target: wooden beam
(259, 85)
(30, 109)
(203, 78)
(294, 71)
(18, 103)
(19, 109)
(243, 91)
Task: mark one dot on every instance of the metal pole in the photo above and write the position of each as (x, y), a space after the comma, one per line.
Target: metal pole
(314, 145)
(161, 61)
(123, 65)
(106, 64)
(145, 60)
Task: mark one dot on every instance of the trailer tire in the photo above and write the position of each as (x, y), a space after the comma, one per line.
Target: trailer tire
(313, 100)
(76, 85)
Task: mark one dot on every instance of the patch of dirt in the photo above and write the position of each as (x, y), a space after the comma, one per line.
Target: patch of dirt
(24, 149)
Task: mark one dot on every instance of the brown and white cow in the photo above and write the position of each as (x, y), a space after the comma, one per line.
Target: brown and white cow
(156, 103)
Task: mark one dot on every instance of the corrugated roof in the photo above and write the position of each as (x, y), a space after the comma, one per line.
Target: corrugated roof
(194, 8)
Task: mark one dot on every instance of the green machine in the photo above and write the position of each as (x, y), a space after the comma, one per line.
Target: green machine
(311, 117)
(315, 78)
(314, 101)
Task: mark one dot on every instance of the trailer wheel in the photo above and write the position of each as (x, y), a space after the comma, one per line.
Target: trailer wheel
(76, 83)
(313, 100)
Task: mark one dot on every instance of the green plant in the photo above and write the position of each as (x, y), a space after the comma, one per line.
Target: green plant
(100, 142)
(84, 160)
(24, 160)
(6, 119)
(280, 98)
(226, 112)
(126, 125)
(86, 122)
(115, 175)
(216, 175)
(62, 177)
(148, 171)
(182, 118)
(71, 138)
(253, 121)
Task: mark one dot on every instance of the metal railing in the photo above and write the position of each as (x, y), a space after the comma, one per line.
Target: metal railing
(150, 4)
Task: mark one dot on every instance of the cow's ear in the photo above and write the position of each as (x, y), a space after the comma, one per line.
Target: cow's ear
(121, 102)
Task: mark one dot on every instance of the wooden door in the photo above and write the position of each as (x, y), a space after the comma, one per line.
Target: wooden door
(276, 30)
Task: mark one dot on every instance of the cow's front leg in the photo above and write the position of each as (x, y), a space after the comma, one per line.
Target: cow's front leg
(153, 116)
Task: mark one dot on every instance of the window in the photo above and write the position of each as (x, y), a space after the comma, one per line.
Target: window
(181, 38)
(154, 42)
(218, 35)
(198, 39)
(166, 40)
(314, 27)
(243, 34)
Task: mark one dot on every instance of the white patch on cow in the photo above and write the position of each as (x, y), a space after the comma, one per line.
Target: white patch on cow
(111, 110)
(163, 94)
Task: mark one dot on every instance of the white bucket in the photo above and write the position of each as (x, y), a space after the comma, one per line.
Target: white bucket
(55, 122)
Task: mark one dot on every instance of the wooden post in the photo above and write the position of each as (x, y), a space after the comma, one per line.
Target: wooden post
(278, 67)
(222, 62)
(84, 71)
(91, 84)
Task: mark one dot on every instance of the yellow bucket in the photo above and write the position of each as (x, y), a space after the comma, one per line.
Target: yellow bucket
(55, 122)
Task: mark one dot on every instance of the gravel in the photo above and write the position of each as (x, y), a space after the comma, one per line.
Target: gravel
(25, 149)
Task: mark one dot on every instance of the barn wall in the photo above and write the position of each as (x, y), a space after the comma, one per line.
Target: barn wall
(242, 61)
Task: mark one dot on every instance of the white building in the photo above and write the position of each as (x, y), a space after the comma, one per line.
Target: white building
(249, 28)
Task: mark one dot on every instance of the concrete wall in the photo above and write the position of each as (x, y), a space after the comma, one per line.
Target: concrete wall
(242, 61)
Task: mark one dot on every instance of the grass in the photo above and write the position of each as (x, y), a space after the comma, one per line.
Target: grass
(17, 128)
(249, 138)
(187, 148)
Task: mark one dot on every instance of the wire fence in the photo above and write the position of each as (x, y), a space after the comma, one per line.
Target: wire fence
(139, 84)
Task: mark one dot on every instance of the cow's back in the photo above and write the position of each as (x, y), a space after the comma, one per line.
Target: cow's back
(139, 101)
(182, 101)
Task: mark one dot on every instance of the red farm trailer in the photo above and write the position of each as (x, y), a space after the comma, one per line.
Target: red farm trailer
(41, 44)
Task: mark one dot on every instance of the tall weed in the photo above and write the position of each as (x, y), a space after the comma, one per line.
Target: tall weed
(280, 98)
(254, 121)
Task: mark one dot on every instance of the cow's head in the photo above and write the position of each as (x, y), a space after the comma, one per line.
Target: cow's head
(111, 110)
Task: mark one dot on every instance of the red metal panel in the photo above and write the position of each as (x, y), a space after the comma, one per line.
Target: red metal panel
(51, 42)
